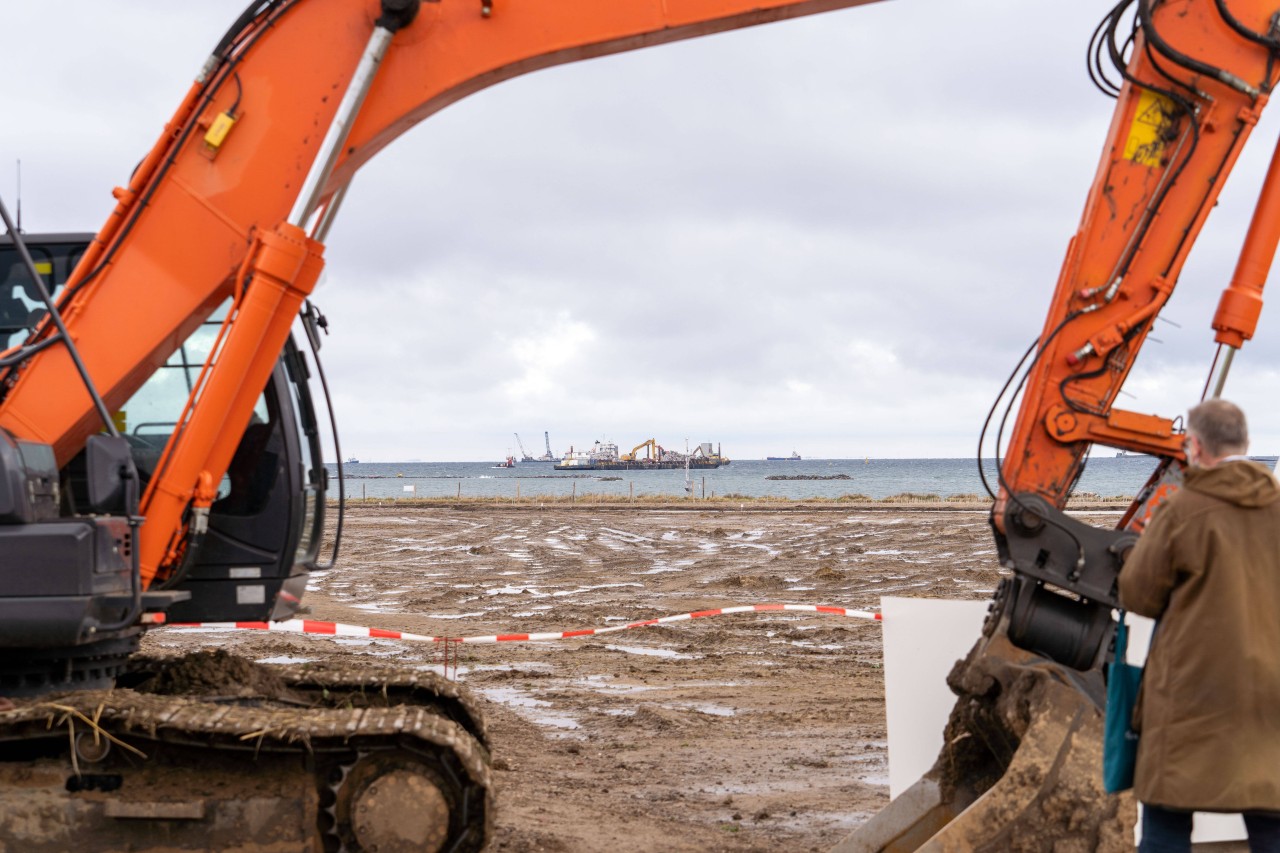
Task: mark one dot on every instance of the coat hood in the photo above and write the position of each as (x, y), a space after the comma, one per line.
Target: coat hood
(1242, 483)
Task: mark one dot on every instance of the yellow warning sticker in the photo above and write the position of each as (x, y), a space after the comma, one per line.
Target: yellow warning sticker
(1150, 132)
(44, 267)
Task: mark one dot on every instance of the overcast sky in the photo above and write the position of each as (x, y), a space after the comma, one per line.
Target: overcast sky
(834, 235)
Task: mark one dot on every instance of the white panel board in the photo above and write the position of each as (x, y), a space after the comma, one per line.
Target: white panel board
(923, 638)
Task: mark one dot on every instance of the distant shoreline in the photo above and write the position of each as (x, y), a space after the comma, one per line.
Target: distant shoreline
(905, 501)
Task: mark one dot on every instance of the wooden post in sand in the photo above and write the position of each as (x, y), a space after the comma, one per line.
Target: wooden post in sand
(459, 490)
(517, 490)
(704, 488)
(633, 491)
(574, 497)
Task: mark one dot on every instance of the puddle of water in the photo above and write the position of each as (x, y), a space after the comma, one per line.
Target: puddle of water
(520, 700)
(703, 708)
(633, 538)
(659, 568)
(517, 590)
(597, 586)
(657, 653)
(512, 696)
(513, 667)
(285, 659)
(599, 682)
(772, 552)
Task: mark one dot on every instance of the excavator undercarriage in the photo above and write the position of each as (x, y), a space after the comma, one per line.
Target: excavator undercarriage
(213, 752)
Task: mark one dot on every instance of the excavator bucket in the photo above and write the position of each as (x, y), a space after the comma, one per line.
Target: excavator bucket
(1020, 768)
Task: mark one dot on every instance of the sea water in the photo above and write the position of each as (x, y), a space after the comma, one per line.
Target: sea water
(1106, 476)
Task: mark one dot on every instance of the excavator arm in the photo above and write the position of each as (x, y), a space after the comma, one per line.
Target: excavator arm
(1197, 80)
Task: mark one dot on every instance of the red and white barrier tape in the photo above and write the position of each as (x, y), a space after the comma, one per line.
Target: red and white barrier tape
(337, 629)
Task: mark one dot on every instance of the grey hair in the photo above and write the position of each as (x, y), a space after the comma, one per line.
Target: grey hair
(1220, 426)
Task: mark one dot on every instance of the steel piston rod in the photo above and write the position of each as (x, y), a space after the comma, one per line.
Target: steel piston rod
(336, 136)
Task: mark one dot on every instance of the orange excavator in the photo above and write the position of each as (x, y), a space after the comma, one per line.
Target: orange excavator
(159, 453)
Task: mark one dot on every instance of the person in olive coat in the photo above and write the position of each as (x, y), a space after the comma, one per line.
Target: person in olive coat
(1208, 568)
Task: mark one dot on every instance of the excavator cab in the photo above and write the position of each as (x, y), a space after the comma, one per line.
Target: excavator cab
(266, 521)
(252, 562)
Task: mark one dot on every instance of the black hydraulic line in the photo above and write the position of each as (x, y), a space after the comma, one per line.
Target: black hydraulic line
(1004, 484)
(211, 91)
(56, 319)
(1103, 35)
(982, 436)
(28, 350)
(1090, 374)
(337, 448)
(251, 13)
(1160, 69)
(231, 110)
(1177, 57)
(195, 541)
(1245, 32)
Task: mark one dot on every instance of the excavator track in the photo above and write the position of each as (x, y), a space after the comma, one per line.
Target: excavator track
(254, 758)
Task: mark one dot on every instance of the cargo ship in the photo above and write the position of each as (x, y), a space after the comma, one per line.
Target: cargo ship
(794, 457)
(604, 456)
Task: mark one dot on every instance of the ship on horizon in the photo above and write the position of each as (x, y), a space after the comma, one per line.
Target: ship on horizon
(794, 457)
(604, 456)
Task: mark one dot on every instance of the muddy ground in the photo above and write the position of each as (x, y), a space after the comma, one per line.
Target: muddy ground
(756, 732)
